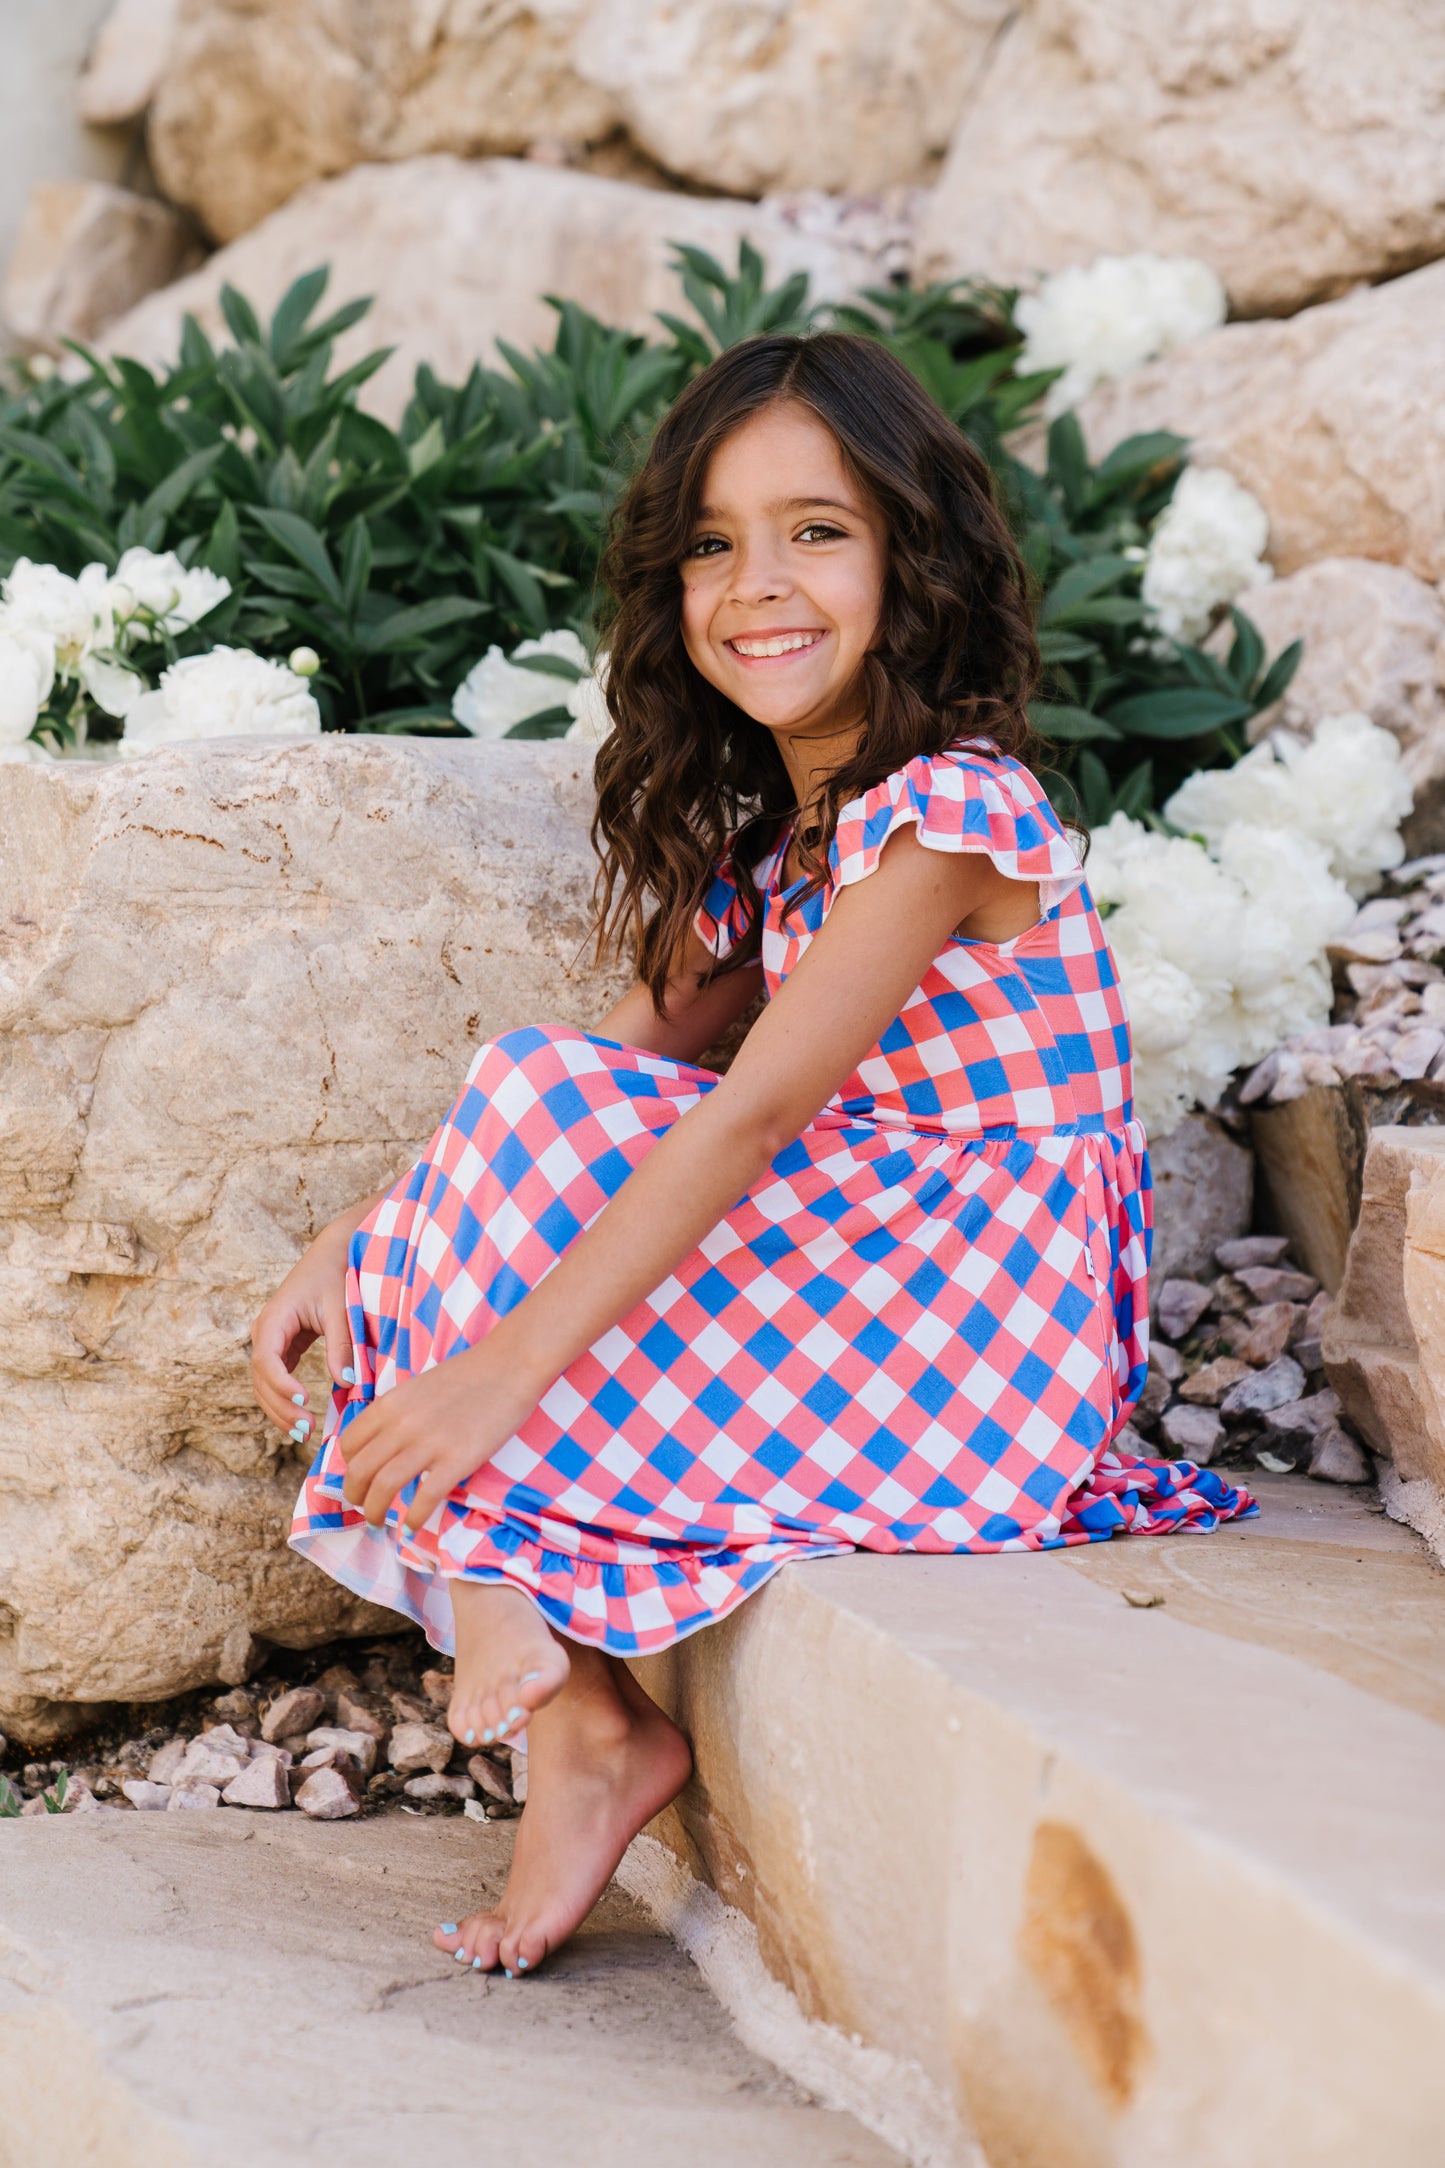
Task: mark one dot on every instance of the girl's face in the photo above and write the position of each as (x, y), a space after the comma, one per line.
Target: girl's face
(783, 579)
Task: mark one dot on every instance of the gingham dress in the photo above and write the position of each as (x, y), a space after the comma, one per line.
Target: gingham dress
(920, 1330)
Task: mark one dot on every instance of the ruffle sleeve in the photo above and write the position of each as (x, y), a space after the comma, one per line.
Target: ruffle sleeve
(961, 800)
(720, 921)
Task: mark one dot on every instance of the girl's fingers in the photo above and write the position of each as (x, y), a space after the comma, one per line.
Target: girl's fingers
(340, 1360)
(390, 1479)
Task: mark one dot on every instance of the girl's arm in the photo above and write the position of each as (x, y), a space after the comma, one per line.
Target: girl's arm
(874, 949)
(694, 1017)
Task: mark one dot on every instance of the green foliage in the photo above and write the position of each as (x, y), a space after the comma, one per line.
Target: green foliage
(400, 554)
(9, 1801)
(11, 1804)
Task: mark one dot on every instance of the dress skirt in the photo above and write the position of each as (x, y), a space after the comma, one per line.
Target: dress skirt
(900, 1339)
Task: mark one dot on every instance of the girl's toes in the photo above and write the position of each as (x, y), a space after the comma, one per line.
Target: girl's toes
(483, 1940)
(522, 1953)
(465, 1721)
(448, 1936)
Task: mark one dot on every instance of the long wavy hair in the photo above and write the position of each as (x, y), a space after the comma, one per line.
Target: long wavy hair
(954, 655)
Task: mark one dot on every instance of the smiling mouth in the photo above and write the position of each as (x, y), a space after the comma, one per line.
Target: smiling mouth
(764, 648)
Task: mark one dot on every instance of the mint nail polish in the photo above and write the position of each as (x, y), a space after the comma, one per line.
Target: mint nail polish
(298, 1400)
(448, 1927)
(348, 1377)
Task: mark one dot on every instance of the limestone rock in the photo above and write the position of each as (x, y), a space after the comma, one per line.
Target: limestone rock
(126, 61)
(1338, 1459)
(1383, 1348)
(1203, 1189)
(146, 1798)
(359, 1747)
(489, 1778)
(327, 1796)
(1212, 1380)
(1180, 1304)
(437, 1786)
(1311, 1159)
(1264, 1390)
(293, 1712)
(167, 1760)
(1374, 640)
(460, 253)
(771, 95)
(1335, 420)
(262, 1783)
(259, 97)
(374, 906)
(205, 1764)
(84, 254)
(1294, 144)
(1194, 1432)
(415, 1747)
(187, 1797)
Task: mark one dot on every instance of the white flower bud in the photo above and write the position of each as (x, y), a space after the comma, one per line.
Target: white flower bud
(304, 661)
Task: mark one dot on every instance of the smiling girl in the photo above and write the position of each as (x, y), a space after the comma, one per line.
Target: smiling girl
(630, 1336)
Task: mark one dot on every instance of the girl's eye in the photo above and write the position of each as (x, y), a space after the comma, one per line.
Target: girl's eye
(820, 530)
(706, 545)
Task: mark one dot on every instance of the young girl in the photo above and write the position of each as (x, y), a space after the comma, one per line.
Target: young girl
(630, 1336)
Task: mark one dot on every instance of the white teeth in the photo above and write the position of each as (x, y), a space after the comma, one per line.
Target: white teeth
(783, 645)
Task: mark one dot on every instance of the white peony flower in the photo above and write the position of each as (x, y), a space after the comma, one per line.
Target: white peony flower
(1206, 548)
(229, 693)
(495, 694)
(110, 684)
(1103, 319)
(27, 672)
(1220, 956)
(1345, 789)
(158, 587)
(75, 614)
(587, 701)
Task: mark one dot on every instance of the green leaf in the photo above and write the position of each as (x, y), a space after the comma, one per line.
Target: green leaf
(292, 311)
(405, 627)
(168, 496)
(1246, 652)
(223, 551)
(1082, 581)
(1276, 679)
(1068, 461)
(1183, 711)
(554, 666)
(1055, 719)
(300, 540)
(1055, 646)
(241, 319)
(355, 565)
(546, 723)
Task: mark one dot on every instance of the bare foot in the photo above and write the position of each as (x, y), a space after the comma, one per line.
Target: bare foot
(509, 1662)
(603, 1760)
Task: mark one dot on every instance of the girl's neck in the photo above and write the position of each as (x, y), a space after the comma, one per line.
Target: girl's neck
(811, 757)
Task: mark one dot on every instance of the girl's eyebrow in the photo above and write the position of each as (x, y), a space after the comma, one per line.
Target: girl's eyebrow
(784, 504)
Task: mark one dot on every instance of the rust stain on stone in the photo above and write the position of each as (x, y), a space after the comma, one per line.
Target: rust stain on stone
(1078, 1943)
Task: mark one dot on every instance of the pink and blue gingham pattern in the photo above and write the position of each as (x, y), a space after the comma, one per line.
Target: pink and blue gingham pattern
(921, 1330)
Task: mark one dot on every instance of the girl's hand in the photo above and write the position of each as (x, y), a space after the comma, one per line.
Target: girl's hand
(310, 1304)
(441, 1426)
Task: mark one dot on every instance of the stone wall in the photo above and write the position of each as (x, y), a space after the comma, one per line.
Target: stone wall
(239, 986)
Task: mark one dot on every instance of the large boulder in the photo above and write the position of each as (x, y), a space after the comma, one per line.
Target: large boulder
(1296, 145)
(850, 96)
(459, 253)
(86, 253)
(258, 97)
(239, 986)
(1336, 421)
(126, 61)
(1374, 640)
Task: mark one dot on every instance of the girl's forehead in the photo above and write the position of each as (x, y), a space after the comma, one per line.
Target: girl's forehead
(781, 459)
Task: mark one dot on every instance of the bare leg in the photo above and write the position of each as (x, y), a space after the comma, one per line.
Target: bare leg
(602, 1760)
(509, 1662)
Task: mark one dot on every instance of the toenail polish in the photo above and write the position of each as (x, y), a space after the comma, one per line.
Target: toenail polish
(522, 1964)
(448, 1927)
(469, 1738)
(508, 1974)
(529, 1676)
(476, 1964)
(514, 1716)
(460, 1956)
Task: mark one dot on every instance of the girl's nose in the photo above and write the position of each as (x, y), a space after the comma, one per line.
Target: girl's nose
(759, 577)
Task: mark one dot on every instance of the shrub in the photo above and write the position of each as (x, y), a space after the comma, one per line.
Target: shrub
(400, 555)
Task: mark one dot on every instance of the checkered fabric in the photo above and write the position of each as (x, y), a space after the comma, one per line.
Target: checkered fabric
(921, 1330)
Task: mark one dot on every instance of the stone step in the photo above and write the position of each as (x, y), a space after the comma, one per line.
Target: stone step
(1118, 1882)
(227, 1990)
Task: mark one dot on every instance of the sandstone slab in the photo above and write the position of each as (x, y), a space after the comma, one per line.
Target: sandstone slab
(259, 97)
(172, 1995)
(1311, 1158)
(239, 985)
(126, 61)
(1390, 1384)
(1335, 420)
(459, 253)
(86, 252)
(1295, 145)
(1374, 641)
(849, 96)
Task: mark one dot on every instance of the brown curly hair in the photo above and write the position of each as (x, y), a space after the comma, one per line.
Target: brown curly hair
(954, 656)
